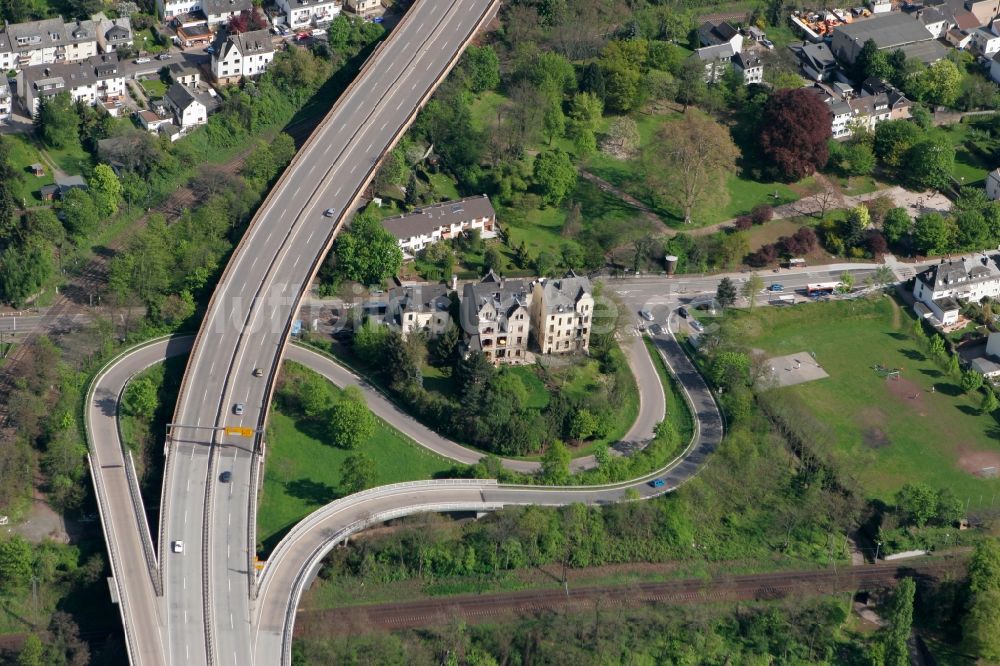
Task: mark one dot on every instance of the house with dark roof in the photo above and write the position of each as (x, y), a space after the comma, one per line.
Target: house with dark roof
(444, 221)
(562, 312)
(113, 34)
(302, 13)
(941, 286)
(214, 11)
(716, 59)
(93, 81)
(243, 55)
(495, 318)
(419, 307)
(816, 60)
(187, 110)
(714, 34)
(890, 32)
(750, 66)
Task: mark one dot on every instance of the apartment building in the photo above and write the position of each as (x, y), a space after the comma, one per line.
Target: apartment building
(215, 11)
(419, 307)
(47, 42)
(496, 318)
(562, 313)
(451, 219)
(113, 34)
(245, 55)
(302, 13)
(97, 79)
(942, 286)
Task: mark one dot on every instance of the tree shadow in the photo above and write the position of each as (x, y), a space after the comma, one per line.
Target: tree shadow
(314, 492)
(952, 390)
(313, 428)
(913, 354)
(896, 335)
(931, 372)
(969, 410)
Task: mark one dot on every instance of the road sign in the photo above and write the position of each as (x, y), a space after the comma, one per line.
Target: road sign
(243, 432)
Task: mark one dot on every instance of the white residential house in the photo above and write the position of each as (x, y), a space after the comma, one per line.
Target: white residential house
(986, 43)
(187, 110)
(184, 74)
(215, 11)
(113, 34)
(717, 59)
(81, 40)
(5, 103)
(750, 66)
(960, 39)
(94, 81)
(993, 184)
(451, 219)
(363, 7)
(242, 56)
(419, 307)
(714, 34)
(562, 312)
(935, 22)
(941, 286)
(995, 68)
(302, 13)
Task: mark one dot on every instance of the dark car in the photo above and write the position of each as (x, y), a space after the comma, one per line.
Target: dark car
(226, 477)
(657, 483)
(683, 312)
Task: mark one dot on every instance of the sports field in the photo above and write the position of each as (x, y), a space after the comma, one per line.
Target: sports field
(918, 426)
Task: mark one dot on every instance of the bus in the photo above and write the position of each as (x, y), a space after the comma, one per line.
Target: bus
(820, 288)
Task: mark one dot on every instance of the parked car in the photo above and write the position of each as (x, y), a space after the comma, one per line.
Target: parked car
(768, 44)
(164, 56)
(776, 287)
(682, 311)
(377, 19)
(302, 36)
(141, 61)
(238, 408)
(210, 49)
(657, 483)
(646, 314)
(226, 476)
(178, 546)
(318, 32)
(696, 325)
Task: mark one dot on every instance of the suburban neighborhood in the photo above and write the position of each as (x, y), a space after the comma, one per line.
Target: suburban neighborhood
(419, 332)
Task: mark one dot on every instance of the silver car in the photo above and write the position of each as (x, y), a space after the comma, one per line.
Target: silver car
(238, 408)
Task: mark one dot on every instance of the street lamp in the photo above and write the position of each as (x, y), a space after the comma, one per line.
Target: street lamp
(878, 544)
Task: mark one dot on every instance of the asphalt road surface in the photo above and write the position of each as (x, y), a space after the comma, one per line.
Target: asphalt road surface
(207, 587)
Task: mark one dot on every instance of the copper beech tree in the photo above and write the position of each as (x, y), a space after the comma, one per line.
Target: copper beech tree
(794, 128)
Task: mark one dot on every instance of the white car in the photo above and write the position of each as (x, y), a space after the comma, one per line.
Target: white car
(330, 212)
(646, 314)
(178, 546)
(318, 32)
(141, 61)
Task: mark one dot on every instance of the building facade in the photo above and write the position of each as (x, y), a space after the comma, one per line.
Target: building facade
(496, 318)
(95, 80)
(943, 285)
(562, 313)
(245, 55)
(451, 219)
(188, 112)
(303, 13)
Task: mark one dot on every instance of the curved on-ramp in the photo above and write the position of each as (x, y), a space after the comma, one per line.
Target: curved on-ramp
(297, 557)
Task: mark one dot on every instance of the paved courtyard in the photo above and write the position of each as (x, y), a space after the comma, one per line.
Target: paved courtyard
(794, 369)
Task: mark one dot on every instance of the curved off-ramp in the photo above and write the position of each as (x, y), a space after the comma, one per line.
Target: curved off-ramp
(296, 558)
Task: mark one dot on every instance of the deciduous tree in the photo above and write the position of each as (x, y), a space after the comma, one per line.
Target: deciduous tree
(357, 473)
(555, 175)
(794, 129)
(689, 162)
(350, 420)
(367, 253)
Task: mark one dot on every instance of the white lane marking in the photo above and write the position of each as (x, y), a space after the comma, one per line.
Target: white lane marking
(354, 167)
(398, 107)
(383, 126)
(296, 261)
(254, 262)
(337, 193)
(309, 240)
(295, 195)
(185, 582)
(371, 145)
(185, 516)
(232, 625)
(311, 169)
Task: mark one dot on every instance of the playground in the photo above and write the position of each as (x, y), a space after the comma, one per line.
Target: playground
(896, 415)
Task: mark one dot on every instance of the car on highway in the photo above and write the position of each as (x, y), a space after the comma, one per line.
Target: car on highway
(164, 56)
(258, 372)
(226, 476)
(682, 311)
(238, 408)
(178, 546)
(141, 61)
(646, 314)
(330, 212)
(657, 483)
(776, 287)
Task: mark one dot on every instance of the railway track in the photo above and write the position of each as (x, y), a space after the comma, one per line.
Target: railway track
(726, 589)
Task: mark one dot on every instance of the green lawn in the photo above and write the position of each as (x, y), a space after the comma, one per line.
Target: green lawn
(887, 432)
(303, 472)
(154, 88)
(72, 159)
(24, 153)
(538, 394)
